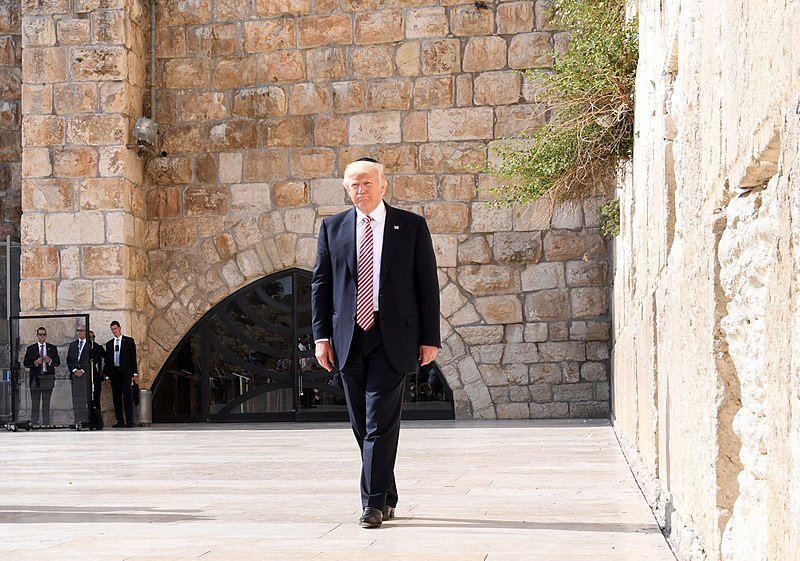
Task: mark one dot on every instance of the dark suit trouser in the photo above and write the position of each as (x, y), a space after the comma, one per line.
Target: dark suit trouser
(40, 396)
(41, 392)
(80, 395)
(374, 392)
(121, 392)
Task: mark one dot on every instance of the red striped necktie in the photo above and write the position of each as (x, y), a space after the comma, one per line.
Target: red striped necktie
(364, 306)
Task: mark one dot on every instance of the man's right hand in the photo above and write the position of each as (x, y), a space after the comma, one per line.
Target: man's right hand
(324, 354)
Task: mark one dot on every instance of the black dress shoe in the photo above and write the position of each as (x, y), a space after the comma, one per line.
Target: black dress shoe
(118, 425)
(371, 518)
(128, 425)
(388, 512)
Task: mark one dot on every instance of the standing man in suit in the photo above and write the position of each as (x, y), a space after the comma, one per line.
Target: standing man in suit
(121, 370)
(375, 308)
(78, 362)
(98, 357)
(42, 359)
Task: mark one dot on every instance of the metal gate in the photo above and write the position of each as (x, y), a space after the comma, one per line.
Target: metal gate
(59, 394)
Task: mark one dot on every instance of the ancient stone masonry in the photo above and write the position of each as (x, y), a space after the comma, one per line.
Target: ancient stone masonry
(83, 229)
(10, 118)
(261, 105)
(706, 304)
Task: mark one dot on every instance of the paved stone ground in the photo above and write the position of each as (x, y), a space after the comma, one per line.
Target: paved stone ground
(470, 491)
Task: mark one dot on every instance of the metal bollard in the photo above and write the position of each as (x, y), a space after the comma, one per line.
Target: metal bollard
(145, 408)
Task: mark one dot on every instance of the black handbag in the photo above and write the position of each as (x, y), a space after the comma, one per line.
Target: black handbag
(135, 393)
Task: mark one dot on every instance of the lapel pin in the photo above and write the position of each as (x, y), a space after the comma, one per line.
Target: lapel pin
(396, 227)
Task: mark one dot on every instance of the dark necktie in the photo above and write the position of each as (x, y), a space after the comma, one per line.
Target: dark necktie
(80, 347)
(364, 305)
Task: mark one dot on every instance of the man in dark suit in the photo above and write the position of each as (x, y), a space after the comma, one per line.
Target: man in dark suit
(42, 359)
(98, 358)
(85, 363)
(375, 308)
(79, 371)
(121, 370)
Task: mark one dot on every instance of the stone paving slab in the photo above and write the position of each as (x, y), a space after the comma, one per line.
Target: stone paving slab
(469, 491)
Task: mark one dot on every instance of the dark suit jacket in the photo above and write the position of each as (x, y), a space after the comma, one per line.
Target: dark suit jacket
(32, 353)
(127, 356)
(408, 299)
(91, 355)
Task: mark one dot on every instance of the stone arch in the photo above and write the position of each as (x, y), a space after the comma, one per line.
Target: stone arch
(186, 284)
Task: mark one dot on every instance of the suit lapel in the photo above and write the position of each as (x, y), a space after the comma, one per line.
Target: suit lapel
(347, 241)
(391, 235)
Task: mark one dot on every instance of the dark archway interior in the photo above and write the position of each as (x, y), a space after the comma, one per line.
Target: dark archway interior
(251, 358)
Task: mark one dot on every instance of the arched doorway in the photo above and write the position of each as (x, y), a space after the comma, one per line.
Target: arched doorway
(251, 358)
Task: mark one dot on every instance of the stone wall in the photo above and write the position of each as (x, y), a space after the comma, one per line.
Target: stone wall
(10, 117)
(263, 104)
(705, 307)
(83, 227)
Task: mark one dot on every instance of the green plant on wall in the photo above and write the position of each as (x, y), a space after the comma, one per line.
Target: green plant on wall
(609, 218)
(589, 91)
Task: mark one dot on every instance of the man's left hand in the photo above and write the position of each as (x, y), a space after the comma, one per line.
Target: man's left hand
(427, 354)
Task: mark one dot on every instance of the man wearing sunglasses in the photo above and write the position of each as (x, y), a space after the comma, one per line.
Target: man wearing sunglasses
(121, 371)
(42, 359)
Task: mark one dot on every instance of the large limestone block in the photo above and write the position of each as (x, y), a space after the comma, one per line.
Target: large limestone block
(488, 279)
(271, 8)
(589, 301)
(485, 53)
(433, 92)
(452, 157)
(517, 247)
(447, 217)
(441, 57)
(286, 131)
(373, 61)
(268, 35)
(386, 95)
(530, 50)
(565, 244)
(39, 262)
(385, 26)
(326, 63)
(486, 218)
(375, 128)
(515, 17)
(97, 129)
(471, 19)
(50, 195)
(312, 162)
(98, 63)
(414, 187)
(238, 72)
(315, 31)
(74, 294)
(279, 66)
(305, 99)
(547, 305)
(103, 261)
(264, 101)
(49, 64)
(461, 124)
(499, 309)
(426, 22)
(42, 130)
(542, 276)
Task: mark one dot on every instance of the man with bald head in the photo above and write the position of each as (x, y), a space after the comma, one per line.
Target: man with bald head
(375, 315)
